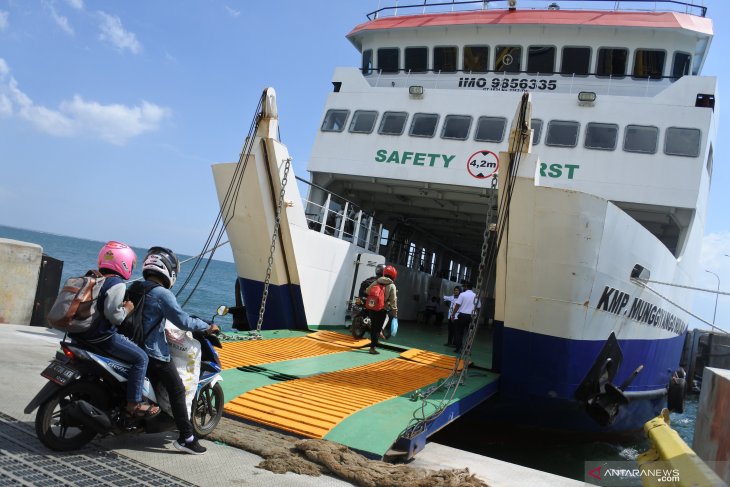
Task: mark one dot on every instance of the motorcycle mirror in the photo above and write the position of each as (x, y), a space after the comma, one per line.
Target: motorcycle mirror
(222, 310)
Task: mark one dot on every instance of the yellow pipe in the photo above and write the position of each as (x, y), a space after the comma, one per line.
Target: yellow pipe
(670, 462)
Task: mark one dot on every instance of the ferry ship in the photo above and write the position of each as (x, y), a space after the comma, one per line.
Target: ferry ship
(561, 158)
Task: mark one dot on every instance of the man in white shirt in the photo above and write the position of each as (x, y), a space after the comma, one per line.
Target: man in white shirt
(451, 319)
(463, 307)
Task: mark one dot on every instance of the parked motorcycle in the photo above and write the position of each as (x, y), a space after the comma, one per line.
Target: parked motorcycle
(85, 396)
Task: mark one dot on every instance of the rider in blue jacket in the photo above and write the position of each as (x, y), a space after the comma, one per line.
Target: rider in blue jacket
(161, 266)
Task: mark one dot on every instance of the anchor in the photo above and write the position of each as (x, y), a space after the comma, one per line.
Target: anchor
(601, 397)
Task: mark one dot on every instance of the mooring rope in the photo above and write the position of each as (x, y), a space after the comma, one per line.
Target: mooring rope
(227, 207)
(642, 283)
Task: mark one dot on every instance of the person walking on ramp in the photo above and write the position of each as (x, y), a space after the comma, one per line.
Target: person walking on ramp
(382, 299)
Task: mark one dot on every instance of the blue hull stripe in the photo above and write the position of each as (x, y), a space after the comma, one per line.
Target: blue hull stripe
(546, 370)
(284, 305)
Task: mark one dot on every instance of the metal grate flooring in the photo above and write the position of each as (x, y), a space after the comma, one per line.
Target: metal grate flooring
(25, 461)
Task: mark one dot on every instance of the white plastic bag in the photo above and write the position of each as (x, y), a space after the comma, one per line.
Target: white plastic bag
(185, 356)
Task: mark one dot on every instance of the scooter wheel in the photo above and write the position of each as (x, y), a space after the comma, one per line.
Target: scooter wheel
(56, 429)
(358, 327)
(207, 409)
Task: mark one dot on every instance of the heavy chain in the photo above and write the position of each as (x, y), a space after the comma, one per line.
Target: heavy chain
(457, 376)
(272, 248)
(477, 310)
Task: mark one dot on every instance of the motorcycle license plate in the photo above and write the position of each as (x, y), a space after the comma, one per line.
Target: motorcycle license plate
(59, 373)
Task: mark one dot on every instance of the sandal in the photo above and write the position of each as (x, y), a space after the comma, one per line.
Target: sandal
(143, 410)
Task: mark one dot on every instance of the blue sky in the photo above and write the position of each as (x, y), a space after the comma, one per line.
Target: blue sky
(111, 113)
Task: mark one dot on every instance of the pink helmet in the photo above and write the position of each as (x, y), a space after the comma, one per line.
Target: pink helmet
(117, 257)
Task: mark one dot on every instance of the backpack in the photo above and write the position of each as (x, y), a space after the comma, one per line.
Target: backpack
(132, 327)
(74, 310)
(376, 298)
(363, 287)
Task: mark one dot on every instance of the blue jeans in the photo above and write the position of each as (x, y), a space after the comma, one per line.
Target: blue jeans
(122, 348)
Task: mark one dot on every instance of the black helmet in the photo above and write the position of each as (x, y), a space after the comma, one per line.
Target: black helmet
(379, 270)
(163, 263)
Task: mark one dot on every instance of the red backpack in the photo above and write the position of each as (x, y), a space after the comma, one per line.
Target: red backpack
(376, 298)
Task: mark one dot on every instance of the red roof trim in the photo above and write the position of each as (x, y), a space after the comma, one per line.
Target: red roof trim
(657, 20)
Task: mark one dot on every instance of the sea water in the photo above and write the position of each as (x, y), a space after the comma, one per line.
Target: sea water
(217, 286)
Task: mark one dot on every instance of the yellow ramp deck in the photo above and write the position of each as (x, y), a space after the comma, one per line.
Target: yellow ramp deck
(256, 352)
(312, 406)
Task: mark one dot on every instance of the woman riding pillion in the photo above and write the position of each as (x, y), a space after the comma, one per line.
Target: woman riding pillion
(160, 270)
(116, 262)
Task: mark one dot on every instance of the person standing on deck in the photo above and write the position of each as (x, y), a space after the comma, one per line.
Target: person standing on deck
(451, 318)
(463, 307)
(377, 318)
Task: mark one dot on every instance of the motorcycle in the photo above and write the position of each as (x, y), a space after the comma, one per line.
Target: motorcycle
(361, 321)
(85, 396)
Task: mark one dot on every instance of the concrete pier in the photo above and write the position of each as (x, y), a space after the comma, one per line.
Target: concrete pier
(19, 266)
(148, 458)
(712, 429)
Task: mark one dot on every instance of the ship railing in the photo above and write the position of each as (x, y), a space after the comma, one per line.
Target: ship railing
(335, 215)
(427, 7)
(552, 82)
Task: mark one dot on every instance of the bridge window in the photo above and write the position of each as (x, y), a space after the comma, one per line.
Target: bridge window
(416, 59)
(393, 123)
(682, 142)
(601, 136)
(639, 138)
(424, 124)
(490, 129)
(507, 59)
(561, 133)
(649, 63)
(334, 120)
(363, 121)
(576, 61)
(444, 59)
(681, 65)
(536, 125)
(612, 62)
(476, 59)
(388, 59)
(456, 127)
(541, 59)
(367, 61)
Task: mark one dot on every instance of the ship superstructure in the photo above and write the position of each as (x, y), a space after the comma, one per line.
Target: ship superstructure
(414, 152)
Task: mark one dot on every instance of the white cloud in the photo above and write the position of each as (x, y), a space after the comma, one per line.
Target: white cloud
(61, 21)
(231, 12)
(715, 246)
(6, 106)
(114, 123)
(113, 32)
(4, 19)
(77, 4)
